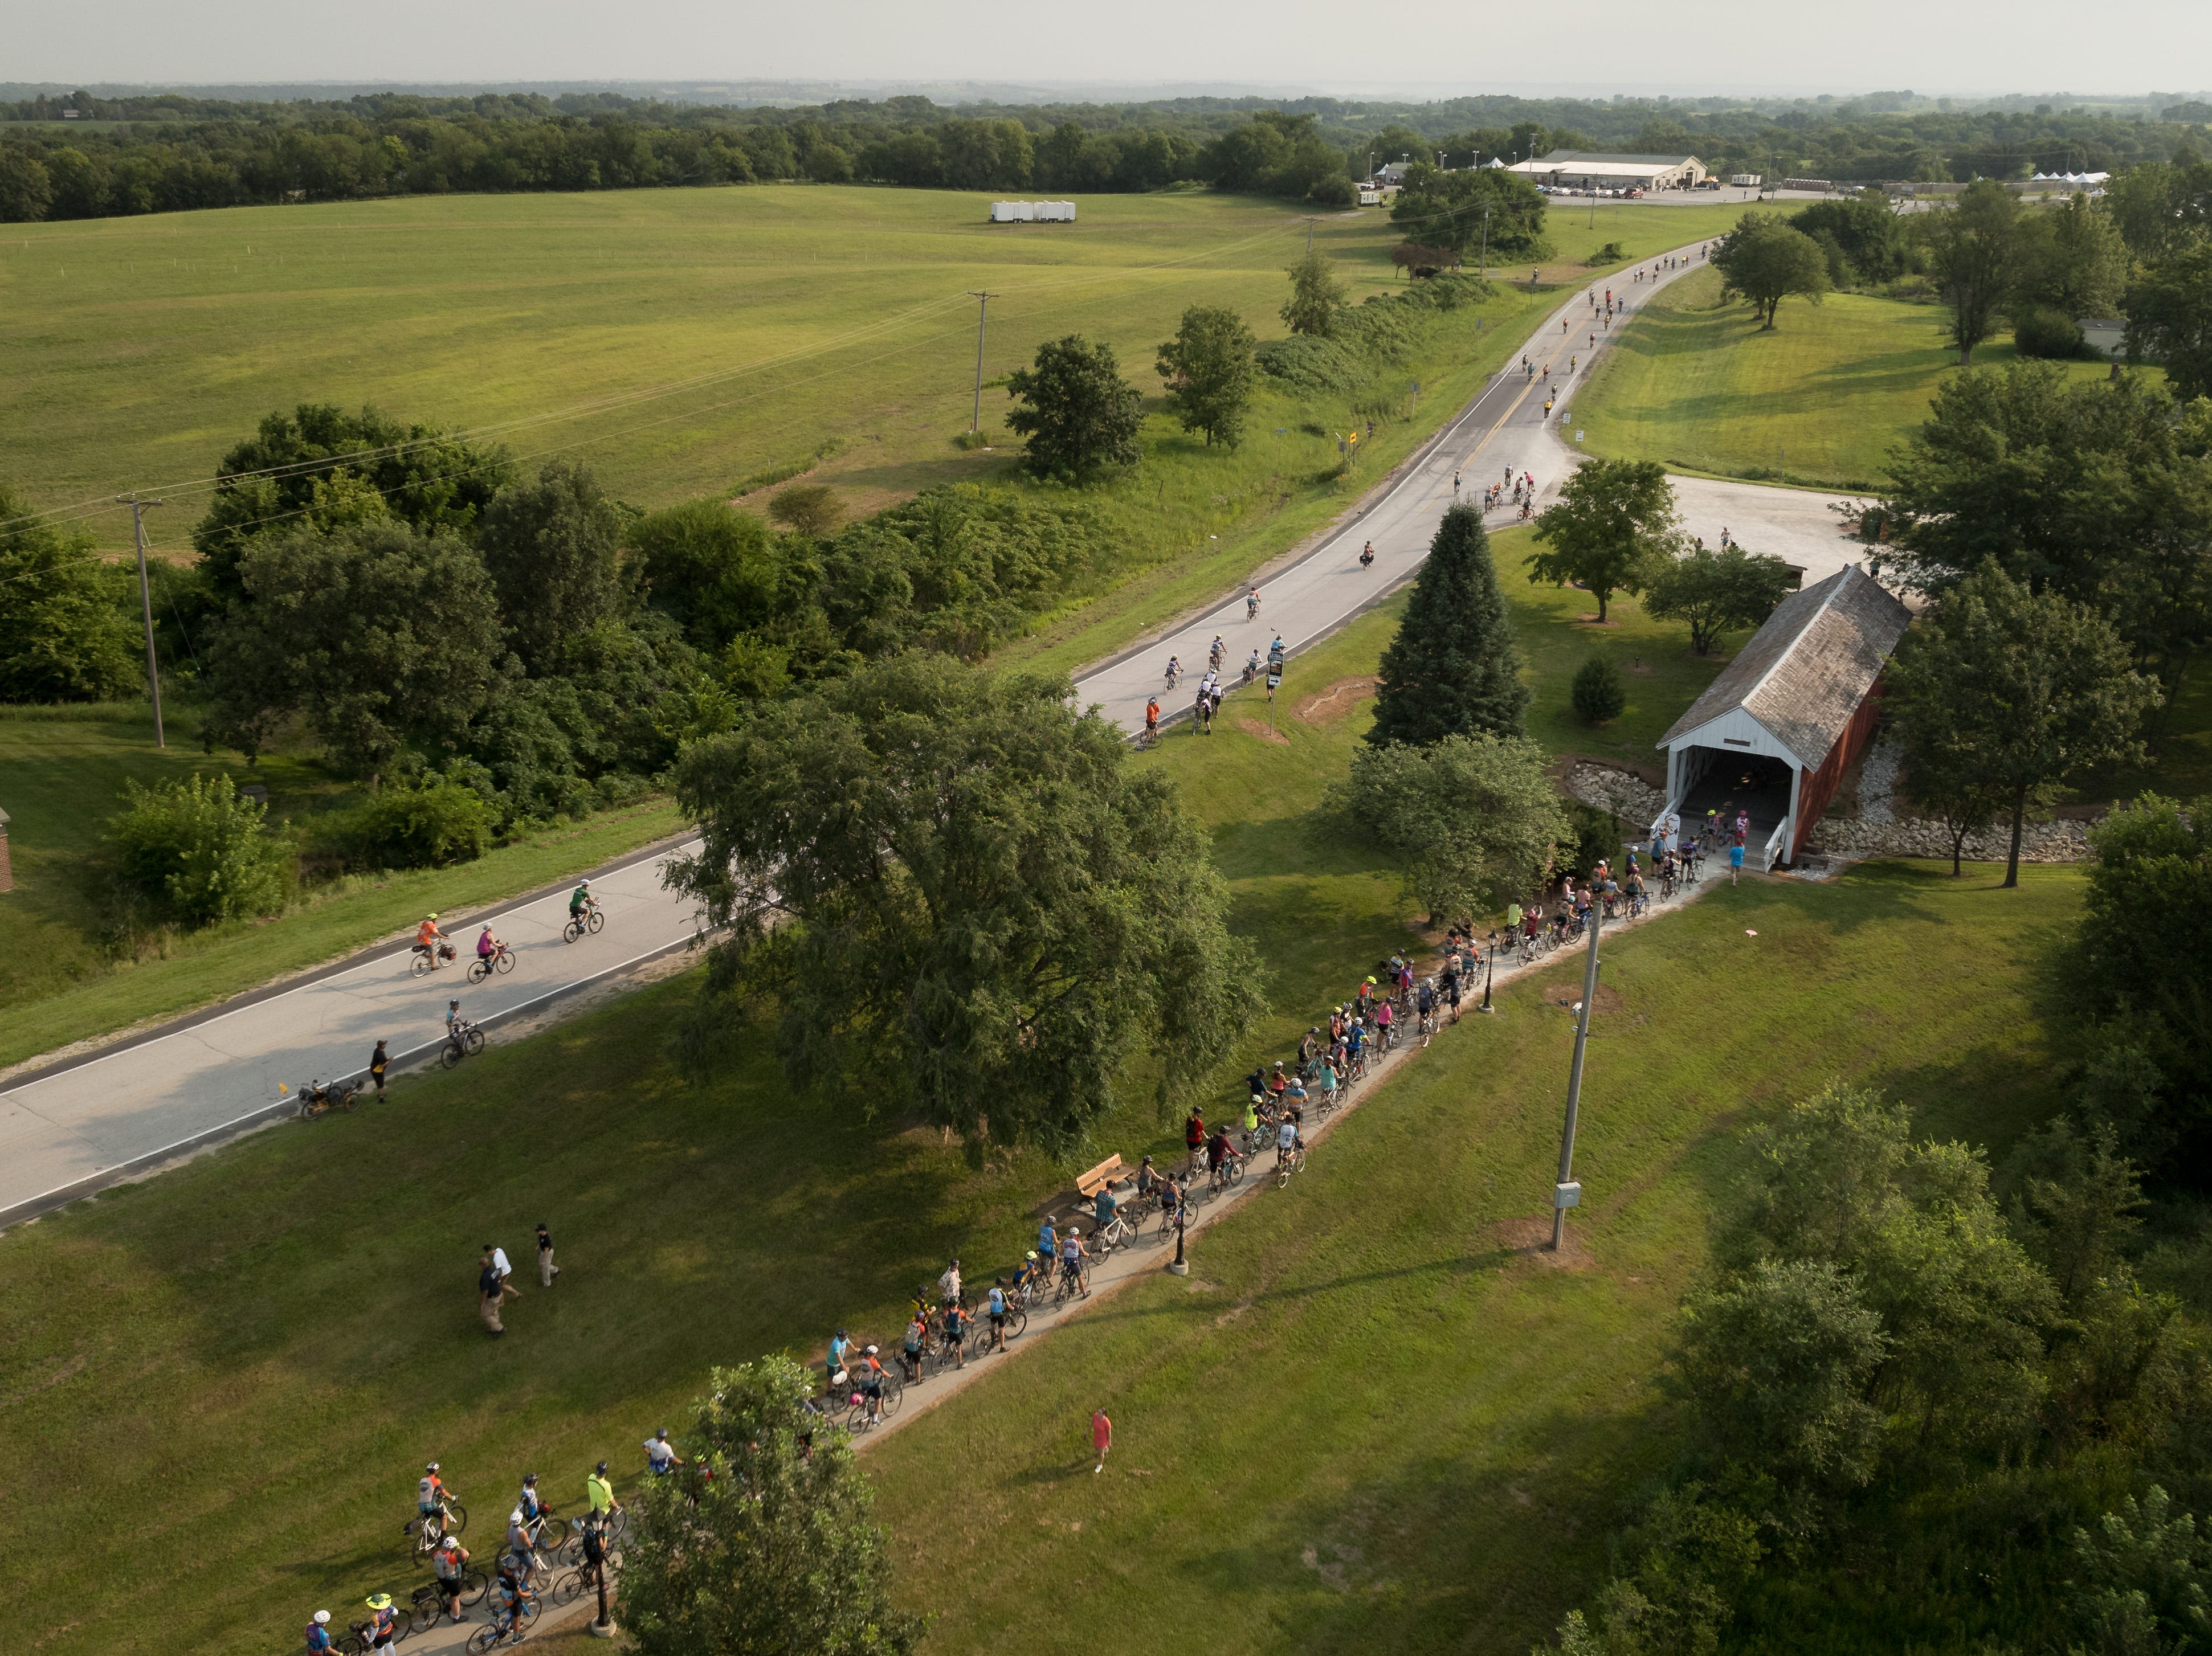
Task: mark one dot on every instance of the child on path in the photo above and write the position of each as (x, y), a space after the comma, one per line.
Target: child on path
(1101, 1438)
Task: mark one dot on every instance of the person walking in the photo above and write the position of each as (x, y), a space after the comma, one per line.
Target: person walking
(379, 1061)
(505, 1266)
(1735, 862)
(547, 1271)
(490, 1290)
(1101, 1438)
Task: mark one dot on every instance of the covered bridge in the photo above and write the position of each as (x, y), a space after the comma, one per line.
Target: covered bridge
(1773, 734)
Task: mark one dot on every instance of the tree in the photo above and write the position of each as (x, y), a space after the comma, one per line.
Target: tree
(1081, 415)
(285, 473)
(65, 632)
(719, 573)
(1973, 254)
(1765, 262)
(776, 1551)
(550, 547)
(1453, 668)
(1468, 210)
(810, 509)
(2142, 1581)
(1865, 231)
(1316, 298)
(1778, 1363)
(1612, 520)
(1598, 693)
(1209, 369)
(200, 848)
(987, 915)
(2074, 261)
(386, 640)
(2017, 691)
(2093, 491)
(1471, 821)
(2169, 317)
(1715, 591)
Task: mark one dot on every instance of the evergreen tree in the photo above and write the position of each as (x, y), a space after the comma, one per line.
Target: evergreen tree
(1454, 668)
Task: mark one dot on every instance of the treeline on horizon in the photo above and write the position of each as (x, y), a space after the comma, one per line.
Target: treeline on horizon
(172, 152)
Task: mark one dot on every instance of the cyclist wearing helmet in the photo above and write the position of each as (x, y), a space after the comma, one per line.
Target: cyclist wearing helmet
(1072, 1252)
(660, 1455)
(318, 1632)
(601, 1494)
(534, 1510)
(580, 899)
(451, 1563)
(487, 945)
(429, 940)
(520, 1544)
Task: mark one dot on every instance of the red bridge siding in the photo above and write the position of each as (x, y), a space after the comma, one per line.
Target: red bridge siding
(1819, 786)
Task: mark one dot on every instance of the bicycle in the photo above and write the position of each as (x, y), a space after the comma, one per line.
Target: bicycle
(1119, 1232)
(590, 920)
(485, 1638)
(362, 1639)
(466, 1041)
(500, 959)
(426, 1535)
(429, 958)
(1070, 1284)
(317, 1099)
(429, 1599)
(585, 1578)
(1229, 1174)
(1285, 1166)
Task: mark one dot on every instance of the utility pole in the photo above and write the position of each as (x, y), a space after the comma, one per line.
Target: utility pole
(1310, 230)
(1485, 243)
(146, 604)
(1567, 1192)
(982, 306)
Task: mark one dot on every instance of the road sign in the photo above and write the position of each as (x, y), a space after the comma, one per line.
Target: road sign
(1579, 433)
(1274, 680)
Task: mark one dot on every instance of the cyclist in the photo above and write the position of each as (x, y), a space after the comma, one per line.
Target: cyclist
(1288, 1140)
(430, 1493)
(1252, 667)
(520, 1548)
(660, 1456)
(1148, 1178)
(513, 1594)
(1071, 1255)
(835, 1360)
(318, 1632)
(869, 1378)
(956, 1331)
(1367, 555)
(601, 1494)
(1251, 1115)
(1325, 1078)
(1425, 1001)
(429, 940)
(1194, 1132)
(454, 1021)
(488, 945)
(1219, 1152)
(1102, 1209)
(1048, 1238)
(1152, 719)
(917, 1335)
(1214, 654)
(1252, 604)
(1275, 652)
(581, 901)
(948, 1285)
(995, 1304)
(534, 1510)
(451, 1563)
(383, 1622)
(1382, 1023)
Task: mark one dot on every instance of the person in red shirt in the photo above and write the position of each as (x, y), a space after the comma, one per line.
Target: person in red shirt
(1101, 1438)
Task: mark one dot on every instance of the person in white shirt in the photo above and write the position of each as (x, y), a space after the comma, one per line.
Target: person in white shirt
(660, 1455)
(948, 1285)
(498, 1264)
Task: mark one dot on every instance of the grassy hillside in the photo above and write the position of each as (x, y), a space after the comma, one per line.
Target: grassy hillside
(1697, 385)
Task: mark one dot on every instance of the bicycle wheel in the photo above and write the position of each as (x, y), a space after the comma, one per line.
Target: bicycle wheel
(421, 965)
(348, 1097)
(475, 1039)
(457, 1518)
(428, 1608)
(1017, 1320)
(452, 1055)
(568, 1588)
(571, 932)
(594, 920)
(485, 1639)
(504, 961)
(479, 969)
(1236, 1171)
(474, 1585)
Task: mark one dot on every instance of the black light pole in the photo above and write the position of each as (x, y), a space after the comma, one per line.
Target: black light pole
(1177, 1266)
(1489, 973)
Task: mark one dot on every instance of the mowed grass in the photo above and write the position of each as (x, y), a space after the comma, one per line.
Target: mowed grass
(1819, 401)
(67, 978)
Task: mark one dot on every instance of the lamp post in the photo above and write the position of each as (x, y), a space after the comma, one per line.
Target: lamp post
(1489, 975)
(1178, 1266)
(1567, 1192)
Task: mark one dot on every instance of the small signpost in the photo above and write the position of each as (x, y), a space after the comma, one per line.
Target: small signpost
(1274, 680)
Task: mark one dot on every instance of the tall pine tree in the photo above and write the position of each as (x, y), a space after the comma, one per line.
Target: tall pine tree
(1454, 668)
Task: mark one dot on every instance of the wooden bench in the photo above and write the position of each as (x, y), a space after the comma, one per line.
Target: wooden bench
(1090, 1184)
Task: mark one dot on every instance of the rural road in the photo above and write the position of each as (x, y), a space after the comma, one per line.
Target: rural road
(69, 1130)
(1504, 430)
(79, 1125)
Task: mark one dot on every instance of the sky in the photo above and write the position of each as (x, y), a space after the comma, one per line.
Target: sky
(1424, 47)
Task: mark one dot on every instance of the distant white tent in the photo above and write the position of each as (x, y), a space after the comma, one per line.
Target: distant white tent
(1030, 212)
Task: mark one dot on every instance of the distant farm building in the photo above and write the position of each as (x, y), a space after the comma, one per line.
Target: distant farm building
(1773, 734)
(1591, 169)
(1032, 212)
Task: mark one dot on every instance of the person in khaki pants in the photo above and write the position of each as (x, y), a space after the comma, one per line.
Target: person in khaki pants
(491, 1289)
(547, 1271)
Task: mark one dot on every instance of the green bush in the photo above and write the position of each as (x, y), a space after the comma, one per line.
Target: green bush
(198, 848)
(1599, 693)
(2042, 331)
(1612, 253)
(430, 825)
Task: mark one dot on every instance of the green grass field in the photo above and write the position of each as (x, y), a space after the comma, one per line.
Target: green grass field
(293, 1311)
(1697, 385)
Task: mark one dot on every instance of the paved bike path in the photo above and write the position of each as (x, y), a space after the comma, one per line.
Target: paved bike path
(66, 1132)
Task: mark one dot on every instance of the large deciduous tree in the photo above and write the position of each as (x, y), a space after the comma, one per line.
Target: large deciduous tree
(1209, 371)
(65, 632)
(1614, 518)
(1468, 210)
(1316, 300)
(966, 905)
(2169, 308)
(1766, 261)
(1472, 822)
(1079, 415)
(1453, 668)
(775, 1552)
(386, 639)
(1714, 591)
(2017, 691)
(1973, 254)
(551, 549)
